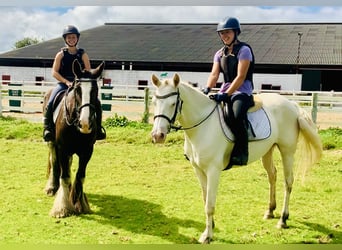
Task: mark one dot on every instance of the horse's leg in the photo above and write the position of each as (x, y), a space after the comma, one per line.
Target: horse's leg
(212, 180)
(203, 182)
(77, 196)
(267, 161)
(202, 178)
(288, 159)
(53, 172)
(62, 206)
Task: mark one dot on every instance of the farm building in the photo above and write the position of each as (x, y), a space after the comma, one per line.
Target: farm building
(300, 56)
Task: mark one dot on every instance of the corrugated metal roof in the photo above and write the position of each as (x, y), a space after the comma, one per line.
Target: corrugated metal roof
(321, 43)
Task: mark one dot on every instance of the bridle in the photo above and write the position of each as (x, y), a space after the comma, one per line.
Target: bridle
(179, 104)
(74, 119)
(178, 109)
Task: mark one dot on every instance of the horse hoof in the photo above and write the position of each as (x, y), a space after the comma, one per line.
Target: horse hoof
(61, 214)
(268, 216)
(282, 225)
(205, 240)
(50, 191)
(85, 209)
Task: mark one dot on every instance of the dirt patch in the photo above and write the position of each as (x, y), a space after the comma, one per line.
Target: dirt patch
(329, 119)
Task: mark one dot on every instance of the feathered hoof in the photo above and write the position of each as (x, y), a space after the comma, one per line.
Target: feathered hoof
(61, 213)
(82, 208)
(51, 191)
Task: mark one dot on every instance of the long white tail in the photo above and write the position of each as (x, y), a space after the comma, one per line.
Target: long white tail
(309, 144)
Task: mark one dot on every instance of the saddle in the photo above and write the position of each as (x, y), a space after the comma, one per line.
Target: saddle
(259, 127)
(257, 105)
(58, 99)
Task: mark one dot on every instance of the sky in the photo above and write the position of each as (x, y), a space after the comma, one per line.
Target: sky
(47, 22)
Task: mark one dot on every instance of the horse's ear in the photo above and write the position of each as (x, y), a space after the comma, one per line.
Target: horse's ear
(98, 71)
(155, 80)
(76, 68)
(176, 79)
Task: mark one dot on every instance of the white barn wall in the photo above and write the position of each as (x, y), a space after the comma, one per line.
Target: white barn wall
(20, 74)
(131, 77)
(288, 82)
(118, 77)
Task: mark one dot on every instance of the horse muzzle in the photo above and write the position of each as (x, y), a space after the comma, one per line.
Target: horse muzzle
(85, 129)
(85, 126)
(158, 136)
(86, 119)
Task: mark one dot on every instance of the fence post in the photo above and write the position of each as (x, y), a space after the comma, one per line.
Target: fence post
(0, 101)
(146, 114)
(314, 107)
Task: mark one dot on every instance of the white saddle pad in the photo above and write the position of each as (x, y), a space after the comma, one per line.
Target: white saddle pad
(56, 111)
(259, 123)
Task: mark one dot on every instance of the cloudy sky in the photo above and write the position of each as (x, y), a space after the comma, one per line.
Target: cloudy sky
(30, 19)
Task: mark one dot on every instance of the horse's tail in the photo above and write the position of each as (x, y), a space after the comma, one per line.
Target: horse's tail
(309, 143)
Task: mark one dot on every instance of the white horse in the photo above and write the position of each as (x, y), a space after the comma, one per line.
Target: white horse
(208, 149)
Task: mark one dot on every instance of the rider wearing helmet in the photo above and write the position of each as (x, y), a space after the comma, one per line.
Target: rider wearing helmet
(236, 61)
(62, 72)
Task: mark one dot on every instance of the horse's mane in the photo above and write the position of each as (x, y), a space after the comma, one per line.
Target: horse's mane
(194, 92)
(188, 84)
(194, 99)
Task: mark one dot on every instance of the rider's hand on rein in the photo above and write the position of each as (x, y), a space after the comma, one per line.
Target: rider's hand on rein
(219, 97)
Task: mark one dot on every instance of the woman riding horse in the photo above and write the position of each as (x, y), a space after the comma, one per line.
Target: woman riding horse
(236, 61)
(62, 71)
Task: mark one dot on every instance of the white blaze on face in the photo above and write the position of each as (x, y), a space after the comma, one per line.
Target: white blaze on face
(85, 111)
(164, 110)
(163, 107)
(160, 124)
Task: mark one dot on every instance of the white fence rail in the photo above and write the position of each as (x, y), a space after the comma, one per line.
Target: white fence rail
(28, 97)
(315, 101)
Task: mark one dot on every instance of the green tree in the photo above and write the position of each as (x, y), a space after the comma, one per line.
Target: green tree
(26, 42)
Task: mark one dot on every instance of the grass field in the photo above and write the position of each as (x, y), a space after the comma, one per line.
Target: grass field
(142, 193)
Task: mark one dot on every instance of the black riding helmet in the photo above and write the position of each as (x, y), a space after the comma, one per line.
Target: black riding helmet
(70, 29)
(230, 23)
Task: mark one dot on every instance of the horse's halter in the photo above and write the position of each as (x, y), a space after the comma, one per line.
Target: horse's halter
(74, 119)
(178, 108)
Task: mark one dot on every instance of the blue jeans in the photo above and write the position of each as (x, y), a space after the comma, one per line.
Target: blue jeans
(48, 121)
(60, 87)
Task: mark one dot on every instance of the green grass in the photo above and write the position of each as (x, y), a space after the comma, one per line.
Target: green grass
(142, 193)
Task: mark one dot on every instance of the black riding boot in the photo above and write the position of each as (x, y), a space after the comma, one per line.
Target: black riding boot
(48, 133)
(100, 132)
(239, 155)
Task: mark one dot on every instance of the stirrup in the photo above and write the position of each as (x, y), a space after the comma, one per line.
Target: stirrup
(48, 135)
(101, 134)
